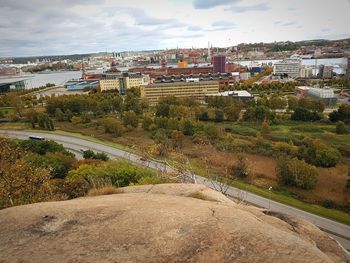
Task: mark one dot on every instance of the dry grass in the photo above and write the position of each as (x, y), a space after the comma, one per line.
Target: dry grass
(200, 195)
(107, 190)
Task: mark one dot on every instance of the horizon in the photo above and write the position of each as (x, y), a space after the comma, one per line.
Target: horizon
(84, 27)
(157, 50)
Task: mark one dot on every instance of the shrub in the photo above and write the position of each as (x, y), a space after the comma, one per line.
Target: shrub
(303, 114)
(70, 188)
(117, 173)
(319, 154)
(107, 190)
(89, 154)
(219, 115)
(294, 172)
(146, 123)
(112, 125)
(340, 128)
(265, 128)
(240, 169)
(285, 148)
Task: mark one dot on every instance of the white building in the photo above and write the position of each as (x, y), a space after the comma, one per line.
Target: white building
(305, 72)
(288, 67)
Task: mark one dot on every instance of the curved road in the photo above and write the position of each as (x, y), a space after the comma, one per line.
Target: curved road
(340, 232)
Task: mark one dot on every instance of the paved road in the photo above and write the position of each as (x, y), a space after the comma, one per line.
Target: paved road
(337, 230)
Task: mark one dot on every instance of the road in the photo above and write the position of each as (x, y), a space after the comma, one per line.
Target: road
(340, 232)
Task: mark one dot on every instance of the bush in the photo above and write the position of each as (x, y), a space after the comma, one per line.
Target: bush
(240, 169)
(42, 147)
(294, 172)
(117, 173)
(95, 156)
(219, 115)
(340, 128)
(303, 114)
(319, 154)
(112, 125)
(107, 190)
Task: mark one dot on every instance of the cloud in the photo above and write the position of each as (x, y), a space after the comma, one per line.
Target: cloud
(222, 23)
(194, 28)
(243, 9)
(206, 4)
(289, 24)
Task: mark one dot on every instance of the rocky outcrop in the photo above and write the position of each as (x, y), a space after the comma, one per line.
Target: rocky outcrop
(161, 223)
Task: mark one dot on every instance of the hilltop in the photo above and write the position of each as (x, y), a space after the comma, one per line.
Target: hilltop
(161, 223)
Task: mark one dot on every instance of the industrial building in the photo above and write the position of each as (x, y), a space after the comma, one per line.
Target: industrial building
(156, 72)
(9, 84)
(289, 68)
(325, 94)
(81, 85)
(219, 64)
(241, 95)
(122, 81)
(196, 89)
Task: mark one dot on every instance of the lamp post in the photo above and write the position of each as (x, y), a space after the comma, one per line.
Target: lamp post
(270, 188)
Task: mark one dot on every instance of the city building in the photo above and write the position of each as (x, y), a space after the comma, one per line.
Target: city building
(305, 73)
(122, 81)
(325, 94)
(81, 85)
(241, 95)
(13, 84)
(219, 64)
(196, 89)
(325, 72)
(155, 72)
(244, 76)
(289, 68)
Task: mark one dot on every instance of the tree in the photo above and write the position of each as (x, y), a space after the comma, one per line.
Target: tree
(42, 147)
(265, 128)
(112, 125)
(342, 114)
(188, 127)
(294, 172)
(203, 116)
(20, 182)
(162, 110)
(32, 117)
(240, 169)
(219, 115)
(340, 128)
(317, 153)
(292, 102)
(303, 114)
(59, 115)
(146, 123)
(177, 138)
(232, 112)
(130, 118)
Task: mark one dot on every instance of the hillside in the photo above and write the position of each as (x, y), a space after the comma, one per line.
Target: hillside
(161, 223)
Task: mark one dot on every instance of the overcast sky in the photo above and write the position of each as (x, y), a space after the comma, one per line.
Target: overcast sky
(47, 27)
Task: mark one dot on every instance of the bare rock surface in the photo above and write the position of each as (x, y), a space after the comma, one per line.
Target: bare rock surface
(160, 223)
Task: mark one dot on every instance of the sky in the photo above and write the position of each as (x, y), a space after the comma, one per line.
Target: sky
(54, 27)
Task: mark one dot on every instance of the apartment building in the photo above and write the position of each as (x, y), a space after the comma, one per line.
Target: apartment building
(122, 81)
(197, 90)
(289, 68)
